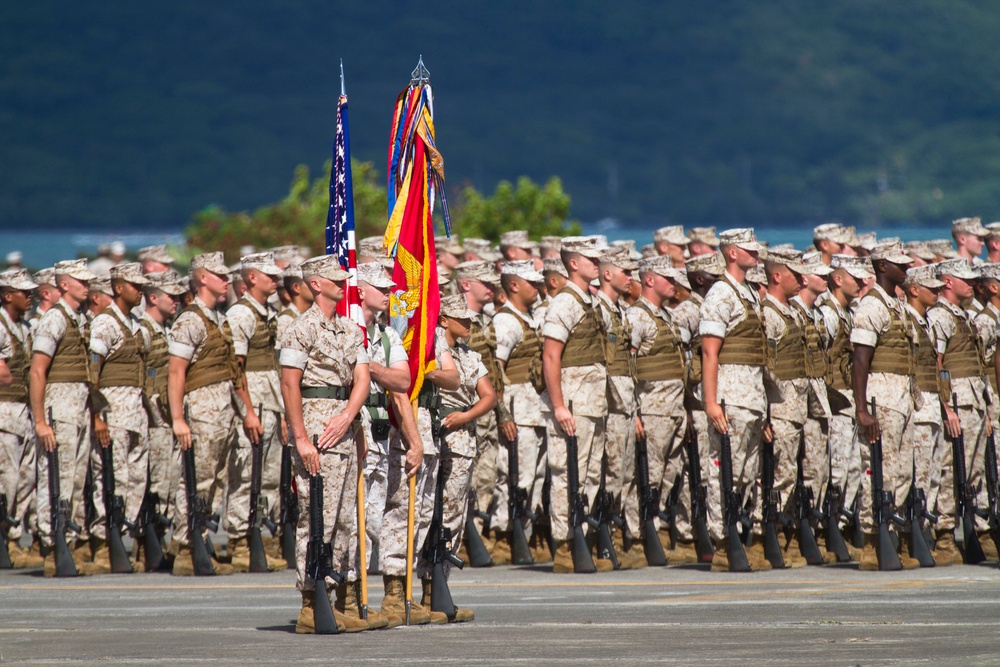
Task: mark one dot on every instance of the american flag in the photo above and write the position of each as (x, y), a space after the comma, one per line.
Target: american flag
(340, 239)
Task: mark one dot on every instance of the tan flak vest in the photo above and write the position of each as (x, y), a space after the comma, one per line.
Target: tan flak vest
(665, 359)
(815, 358)
(217, 361)
(525, 362)
(746, 344)
(157, 361)
(17, 390)
(894, 351)
(924, 361)
(618, 345)
(262, 353)
(786, 357)
(124, 367)
(988, 362)
(484, 342)
(585, 345)
(69, 363)
(962, 358)
(839, 375)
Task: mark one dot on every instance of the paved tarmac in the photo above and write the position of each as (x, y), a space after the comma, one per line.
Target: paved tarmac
(816, 616)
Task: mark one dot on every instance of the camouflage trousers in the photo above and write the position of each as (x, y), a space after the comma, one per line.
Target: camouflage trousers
(376, 482)
(17, 476)
(72, 453)
(340, 513)
(685, 530)
(897, 464)
(484, 482)
(619, 452)
(164, 463)
(130, 457)
(816, 465)
(925, 433)
(590, 454)
(666, 456)
(974, 429)
(392, 537)
(240, 475)
(530, 476)
(845, 453)
(745, 429)
(458, 470)
(212, 442)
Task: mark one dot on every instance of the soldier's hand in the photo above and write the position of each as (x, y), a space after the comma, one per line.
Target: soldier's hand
(283, 426)
(183, 433)
(253, 428)
(308, 454)
(334, 430)
(414, 459)
(46, 435)
(640, 430)
(509, 430)
(953, 425)
(361, 444)
(868, 425)
(566, 421)
(768, 433)
(717, 416)
(454, 420)
(101, 432)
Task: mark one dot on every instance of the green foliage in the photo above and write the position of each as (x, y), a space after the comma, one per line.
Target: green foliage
(298, 219)
(543, 211)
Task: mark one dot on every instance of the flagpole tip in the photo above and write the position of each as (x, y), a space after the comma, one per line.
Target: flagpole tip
(343, 90)
(420, 76)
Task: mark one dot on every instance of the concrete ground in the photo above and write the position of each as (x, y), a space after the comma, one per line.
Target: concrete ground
(815, 616)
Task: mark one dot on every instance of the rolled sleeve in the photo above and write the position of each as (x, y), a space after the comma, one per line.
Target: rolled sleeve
(362, 357)
(44, 344)
(181, 350)
(708, 328)
(864, 337)
(295, 359)
(98, 347)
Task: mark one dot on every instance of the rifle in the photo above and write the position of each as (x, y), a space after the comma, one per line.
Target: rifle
(151, 523)
(965, 501)
(853, 515)
(583, 562)
(479, 555)
(669, 515)
(734, 514)
(289, 517)
(258, 506)
(199, 517)
(916, 512)
(60, 515)
(699, 504)
(5, 520)
(602, 518)
(649, 506)
(992, 489)
(114, 513)
(517, 498)
(805, 512)
(833, 509)
(771, 512)
(883, 510)
(437, 547)
(319, 557)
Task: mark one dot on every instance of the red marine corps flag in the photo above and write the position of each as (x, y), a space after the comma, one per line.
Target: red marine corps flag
(416, 173)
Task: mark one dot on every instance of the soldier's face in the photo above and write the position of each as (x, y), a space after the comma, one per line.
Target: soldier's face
(74, 288)
(815, 284)
(130, 294)
(663, 287)
(961, 288)
(619, 279)
(587, 267)
(376, 298)
(972, 243)
(458, 327)
(745, 259)
(482, 293)
(266, 283)
(165, 303)
(216, 283)
(333, 289)
(927, 297)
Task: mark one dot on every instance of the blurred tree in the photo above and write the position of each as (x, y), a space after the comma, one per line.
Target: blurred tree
(543, 211)
(299, 219)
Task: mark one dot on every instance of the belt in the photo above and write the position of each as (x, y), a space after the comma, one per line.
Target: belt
(331, 391)
(428, 400)
(444, 412)
(378, 400)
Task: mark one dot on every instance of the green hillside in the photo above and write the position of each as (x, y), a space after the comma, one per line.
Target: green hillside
(727, 112)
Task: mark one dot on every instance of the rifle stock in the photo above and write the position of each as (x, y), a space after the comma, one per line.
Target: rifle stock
(699, 504)
(289, 517)
(649, 501)
(517, 498)
(965, 501)
(733, 502)
(805, 510)
(152, 524)
(883, 510)
(437, 546)
(992, 490)
(5, 520)
(258, 504)
(583, 562)
(319, 558)
(59, 513)
(771, 514)
(114, 511)
(198, 518)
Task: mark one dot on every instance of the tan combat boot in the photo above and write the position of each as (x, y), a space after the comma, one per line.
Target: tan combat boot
(501, 549)
(349, 623)
(637, 555)
(989, 546)
(905, 559)
(755, 555)
(30, 557)
(461, 615)
(394, 602)
(306, 623)
(946, 551)
(683, 553)
(563, 561)
(101, 564)
(184, 563)
(828, 556)
(869, 556)
(239, 552)
(349, 604)
(792, 554)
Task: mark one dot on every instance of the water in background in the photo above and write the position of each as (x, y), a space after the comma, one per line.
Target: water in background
(45, 247)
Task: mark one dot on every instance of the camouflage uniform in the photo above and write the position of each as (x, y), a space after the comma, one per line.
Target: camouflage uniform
(210, 407)
(845, 446)
(62, 335)
(816, 465)
(731, 311)
(622, 405)
(17, 434)
(661, 371)
(461, 445)
(584, 385)
(327, 352)
(523, 367)
(164, 452)
(118, 338)
(879, 322)
(286, 317)
(925, 433)
(254, 328)
(957, 344)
